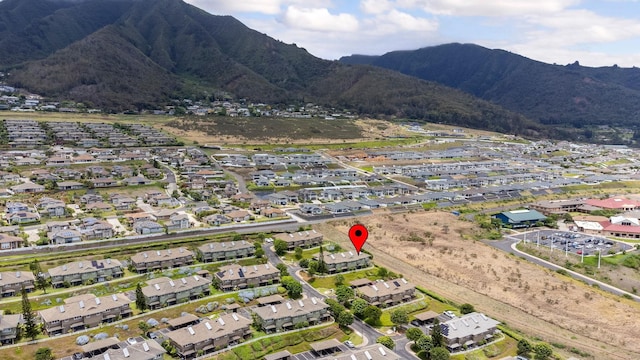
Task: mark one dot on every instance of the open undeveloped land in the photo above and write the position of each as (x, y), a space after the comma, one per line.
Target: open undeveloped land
(436, 250)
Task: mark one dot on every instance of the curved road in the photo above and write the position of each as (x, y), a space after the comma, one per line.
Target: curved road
(509, 245)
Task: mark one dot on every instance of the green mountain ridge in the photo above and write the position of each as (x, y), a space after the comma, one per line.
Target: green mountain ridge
(571, 95)
(124, 54)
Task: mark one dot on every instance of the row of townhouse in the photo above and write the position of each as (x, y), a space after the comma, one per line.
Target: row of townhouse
(163, 291)
(84, 311)
(385, 293)
(152, 260)
(12, 283)
(210, 335)
(220, 251)
(303, 239)
(234, 276)
(82, 272)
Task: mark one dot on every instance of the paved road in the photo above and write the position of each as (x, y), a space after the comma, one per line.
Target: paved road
(509, 245)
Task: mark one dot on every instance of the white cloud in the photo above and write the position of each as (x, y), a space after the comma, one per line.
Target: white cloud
(488, 7)
(319, 19)
(376, 6)
(225, 7)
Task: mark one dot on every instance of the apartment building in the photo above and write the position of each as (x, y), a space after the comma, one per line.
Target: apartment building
(220, 251)
(164, 291)
(11, 283)
(303, 239)
(161, 259)
(210, 335)
(9, 327)
(84, 311)
(234, 276)
(348, 261)
(389, 292)
(283, 317)
(82, 272)
(468, 330)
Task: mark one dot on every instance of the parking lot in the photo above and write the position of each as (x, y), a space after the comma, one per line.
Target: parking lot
(308, 355)
(573, 242)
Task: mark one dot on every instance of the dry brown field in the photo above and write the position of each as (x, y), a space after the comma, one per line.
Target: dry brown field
(538, 302)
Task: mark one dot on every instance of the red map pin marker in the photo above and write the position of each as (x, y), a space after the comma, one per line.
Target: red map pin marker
(358, 235)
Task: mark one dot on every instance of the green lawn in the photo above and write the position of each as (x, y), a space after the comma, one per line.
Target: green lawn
(411, 309)
(329, 282)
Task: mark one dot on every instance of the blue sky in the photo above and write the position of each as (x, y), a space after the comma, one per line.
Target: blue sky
(595, 33)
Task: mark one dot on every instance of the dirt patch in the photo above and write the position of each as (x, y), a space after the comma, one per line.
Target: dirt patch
(436, 251)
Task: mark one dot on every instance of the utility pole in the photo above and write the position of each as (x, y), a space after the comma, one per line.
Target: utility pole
(599, 256)
(582, 257)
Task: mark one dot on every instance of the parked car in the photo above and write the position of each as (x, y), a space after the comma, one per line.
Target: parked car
(349, 344)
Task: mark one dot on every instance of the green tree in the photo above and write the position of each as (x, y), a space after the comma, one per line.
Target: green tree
(141, 301)
(542, 351)
(424, 343)
(339, 280)
(283, 269)
(298, 252)
(436, 334)
(144, 327)
(383, 272)
(373, 313)
(44, 354)
(386, 341)
(280, 246)
(312, 268)
(41, 280)
(31, 329)
(414, 333)
(345, 319)
(344, 293)
(524, 347)
(322, 267)
(259, 253)
(439, 353)
(399, 316)
(467, 308)
(358, 306)
(304, 263)
(294, 287)
(335, 308)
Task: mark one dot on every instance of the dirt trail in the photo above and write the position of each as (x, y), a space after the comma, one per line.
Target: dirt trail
(530, 299)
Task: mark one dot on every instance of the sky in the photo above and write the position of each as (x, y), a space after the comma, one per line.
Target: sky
(595, 33)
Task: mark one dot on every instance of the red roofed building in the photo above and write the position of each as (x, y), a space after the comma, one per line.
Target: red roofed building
(615, 204)
(622, 226)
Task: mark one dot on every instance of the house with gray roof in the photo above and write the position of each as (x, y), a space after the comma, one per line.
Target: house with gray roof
(164, 291)
(283, 317)
(387, 293)
(234, 276)
(85, 271)
(468, 330)
(12, 282)
(301, 239)
(210, 335)
(520, 218)
(220, 251)
(161, 259)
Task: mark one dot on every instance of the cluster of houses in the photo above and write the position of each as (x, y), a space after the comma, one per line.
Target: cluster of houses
(26, 133)
(624, 224)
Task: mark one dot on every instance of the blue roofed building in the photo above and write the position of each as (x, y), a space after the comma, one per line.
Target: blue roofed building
(520, 218)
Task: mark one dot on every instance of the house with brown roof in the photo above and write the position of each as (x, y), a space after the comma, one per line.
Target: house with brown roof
(303, 239)
(239, 215)
(210, 335)
(10, 242)
(85, 271)
(220, 251)
(283, 317)
(164, 291)
(104, 182)
(389, 292)
(84, 311)
(11, 283)
(123, 350)
(140, 216)
(234, 276)
(161, 259)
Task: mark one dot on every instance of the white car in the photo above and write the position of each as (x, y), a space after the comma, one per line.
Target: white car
(350, 344)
